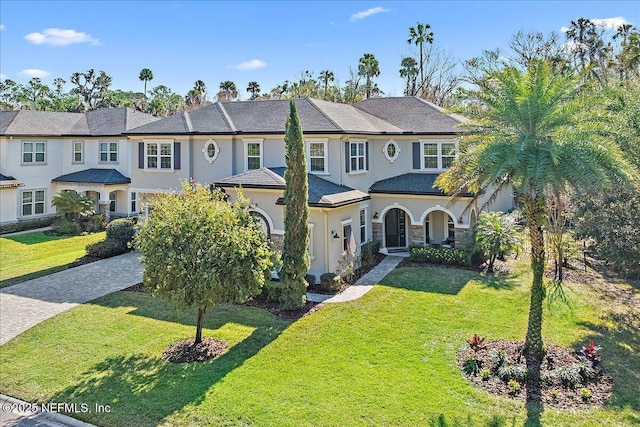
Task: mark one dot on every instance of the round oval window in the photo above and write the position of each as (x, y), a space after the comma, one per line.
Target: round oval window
(391, 150)
(211, 150)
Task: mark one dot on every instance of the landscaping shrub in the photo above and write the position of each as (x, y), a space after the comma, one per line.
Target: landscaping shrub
(122, 229)
(272, 291)
(93, 223)
(330, 282)
(106, 249)
(310, 278)
(368, 252)
(63, 226)
(443, 256)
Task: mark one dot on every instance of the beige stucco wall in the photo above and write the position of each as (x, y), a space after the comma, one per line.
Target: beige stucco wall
(8, 204)
(146, 180)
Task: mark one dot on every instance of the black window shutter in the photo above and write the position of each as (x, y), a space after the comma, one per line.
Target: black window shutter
(140, 155)
(347, 162)
(176, 155)
(366, 155)
(416, 155)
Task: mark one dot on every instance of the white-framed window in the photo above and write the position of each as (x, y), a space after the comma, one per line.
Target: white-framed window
(391, 150)
(78, 151)
(438, 155)
(34, 152)
(311, 255)
(112, 201)
(211, 150)
(253, 154)
(159, 155)
(357, 156)
(363, 226)
(317, 155)
(33, 202)
(347, 236)
(133, 202)
(108, 152)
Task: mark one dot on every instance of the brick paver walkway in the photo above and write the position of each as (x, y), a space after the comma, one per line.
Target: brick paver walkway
(26, 304)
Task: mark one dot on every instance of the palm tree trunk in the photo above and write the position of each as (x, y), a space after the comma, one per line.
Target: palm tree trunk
(201, 312)
(534, 213)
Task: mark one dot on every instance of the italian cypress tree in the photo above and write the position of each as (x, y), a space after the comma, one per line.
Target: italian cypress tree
(295, 256)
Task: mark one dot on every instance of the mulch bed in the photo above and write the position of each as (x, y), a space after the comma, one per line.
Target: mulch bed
(84, 260)
(185, 352)
(553, 392)
(138, 287)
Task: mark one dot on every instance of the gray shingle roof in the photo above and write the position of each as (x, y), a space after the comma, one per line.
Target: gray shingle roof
(375, 116)
(9, 181)
(209, 119)
(102, 122)
(270, 116)
(322, 193)
(94, 176)
(411, 114)
(410, 183)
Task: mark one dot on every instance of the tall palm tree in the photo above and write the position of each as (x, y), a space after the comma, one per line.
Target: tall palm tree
(368, 67)
(326, 76)
(228, 91)
(145, 76)
(533, 129)
(254, 89)
(419, 35)
(409, 71)
(202, 88)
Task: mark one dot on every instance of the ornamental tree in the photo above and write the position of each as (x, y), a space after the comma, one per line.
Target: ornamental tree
(496, 234)
(295, 255)
(200, 250)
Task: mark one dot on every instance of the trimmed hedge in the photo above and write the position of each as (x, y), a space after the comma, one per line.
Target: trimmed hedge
(310, 278)
(122, 229)
(368, 251)
(444, 256)
(106, 249)
(330, 282)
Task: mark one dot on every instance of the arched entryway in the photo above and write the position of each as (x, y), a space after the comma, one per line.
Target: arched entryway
(395, 228)
(439, 229)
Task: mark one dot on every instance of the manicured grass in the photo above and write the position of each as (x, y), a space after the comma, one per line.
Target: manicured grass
(27, 256)
(386, 359)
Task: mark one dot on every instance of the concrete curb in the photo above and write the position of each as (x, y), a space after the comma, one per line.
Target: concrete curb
(62, 419)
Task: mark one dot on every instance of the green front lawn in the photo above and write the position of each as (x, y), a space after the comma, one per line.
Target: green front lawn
(386, 359)
(27, 256)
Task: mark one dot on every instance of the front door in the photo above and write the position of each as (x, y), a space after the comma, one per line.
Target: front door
(395, 229)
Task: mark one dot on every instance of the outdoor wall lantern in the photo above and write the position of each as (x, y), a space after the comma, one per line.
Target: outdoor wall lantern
(335, 234)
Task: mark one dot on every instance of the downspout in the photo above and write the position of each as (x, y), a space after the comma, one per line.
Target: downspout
(326, 240)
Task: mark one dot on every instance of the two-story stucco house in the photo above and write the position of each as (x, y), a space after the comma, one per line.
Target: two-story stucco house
(371, 169)
(47, 152)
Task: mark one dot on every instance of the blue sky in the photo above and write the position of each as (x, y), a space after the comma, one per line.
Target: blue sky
(263, 41)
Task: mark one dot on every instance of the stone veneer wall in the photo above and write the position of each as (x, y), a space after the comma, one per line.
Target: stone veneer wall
(278, 242)
(376, 228)
(416, 238)
(27, 224)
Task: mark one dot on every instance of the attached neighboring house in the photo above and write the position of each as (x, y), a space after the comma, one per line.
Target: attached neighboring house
(371, 168)
(50, 152)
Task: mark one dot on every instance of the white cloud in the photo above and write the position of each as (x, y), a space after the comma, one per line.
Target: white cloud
(59, 37)
(610, 23)
(1, 27)
(33, 72)
(606, 23)
(368, 12)
(3, 76)
(254, 64)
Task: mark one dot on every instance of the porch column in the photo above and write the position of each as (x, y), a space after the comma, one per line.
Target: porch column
(417, 235)
(103, 208)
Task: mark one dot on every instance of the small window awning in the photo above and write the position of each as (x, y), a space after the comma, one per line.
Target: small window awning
(9, 182)
(94, 176)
